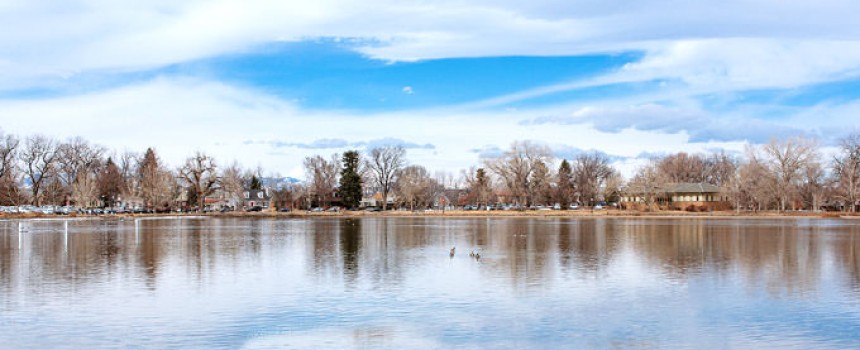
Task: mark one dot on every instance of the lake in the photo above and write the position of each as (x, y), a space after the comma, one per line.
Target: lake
(391, 283)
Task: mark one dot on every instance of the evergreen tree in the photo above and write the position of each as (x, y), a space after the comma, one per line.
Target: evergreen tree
(481, 187)
(148, 174)
(350, 180)
(255, 183)
(110, 183)
(565, 188)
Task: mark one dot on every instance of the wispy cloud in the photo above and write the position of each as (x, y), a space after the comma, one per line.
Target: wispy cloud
(488, 151)
(135, 36)
(657, 102)
(321, 144)
(699, 125)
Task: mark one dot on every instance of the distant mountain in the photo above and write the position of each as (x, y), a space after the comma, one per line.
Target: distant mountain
(278, 182)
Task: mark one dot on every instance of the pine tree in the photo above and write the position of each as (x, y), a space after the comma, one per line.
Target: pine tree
(110, 183)
(255, 183)
(148, 173)
(350, 180)
(565, 188)
(482, 187)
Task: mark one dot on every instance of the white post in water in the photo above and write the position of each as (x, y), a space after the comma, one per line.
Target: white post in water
(66, 236)
(137, 232)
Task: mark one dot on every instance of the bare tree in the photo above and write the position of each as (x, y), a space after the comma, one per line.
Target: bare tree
(590, 171)
(37, 161)
(384, 165)
(812, 187)
(785, 161)
(756, 184)
(478, 181)
(647, 184)
(85, 191)
(8, 179)
(8, 148)
(846, 170)
(78, 163)
(155, 182)
(322, 176)
(232, 184)
(683, 167)
(200, 174)
(128, 164)
(720, 168)
(611, 189)
(515, 167)
(445, 179)
(413, 186)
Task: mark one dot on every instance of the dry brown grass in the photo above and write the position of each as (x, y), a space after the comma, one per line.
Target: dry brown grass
(581, 213)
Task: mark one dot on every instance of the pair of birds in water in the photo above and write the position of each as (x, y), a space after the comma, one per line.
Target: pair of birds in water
(472, 254)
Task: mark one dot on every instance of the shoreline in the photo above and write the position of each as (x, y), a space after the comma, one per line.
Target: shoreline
(579, 214)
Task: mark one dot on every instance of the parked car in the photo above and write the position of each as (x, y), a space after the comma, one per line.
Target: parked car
(316, 210)
(65, 210)
(284, 210)
(255, 208)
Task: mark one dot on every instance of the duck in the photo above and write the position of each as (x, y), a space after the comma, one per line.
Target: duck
(453, 250)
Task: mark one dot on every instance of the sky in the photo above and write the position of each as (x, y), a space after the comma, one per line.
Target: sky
(268, 82)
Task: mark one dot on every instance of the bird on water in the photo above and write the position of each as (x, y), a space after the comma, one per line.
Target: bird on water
(453, 250)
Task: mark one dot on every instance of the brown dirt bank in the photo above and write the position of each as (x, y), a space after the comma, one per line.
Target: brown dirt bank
(472, 214)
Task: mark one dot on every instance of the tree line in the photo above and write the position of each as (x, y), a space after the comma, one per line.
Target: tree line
(783, 174)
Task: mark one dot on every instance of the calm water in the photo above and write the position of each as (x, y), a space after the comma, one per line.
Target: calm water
(390, 284)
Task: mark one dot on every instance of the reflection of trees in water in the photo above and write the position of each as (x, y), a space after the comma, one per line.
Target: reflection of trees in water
(520, 248)
(8, 256)
(778, 256)
(353, 248)
(194, 252)
(350, 246)
(847, 254)
(676, 247)
(382, 246)
(323, 235)
(586, 245)
(150, 253)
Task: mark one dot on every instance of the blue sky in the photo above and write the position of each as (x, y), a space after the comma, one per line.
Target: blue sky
(268, 83)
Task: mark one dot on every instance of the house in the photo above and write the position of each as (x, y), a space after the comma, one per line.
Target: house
(682, 196)
(256, 197)
(450, 198)
(372, 197)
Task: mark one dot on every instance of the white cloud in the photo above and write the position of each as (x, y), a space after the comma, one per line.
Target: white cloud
(805, 39)
(694, 48)
(180, 116)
